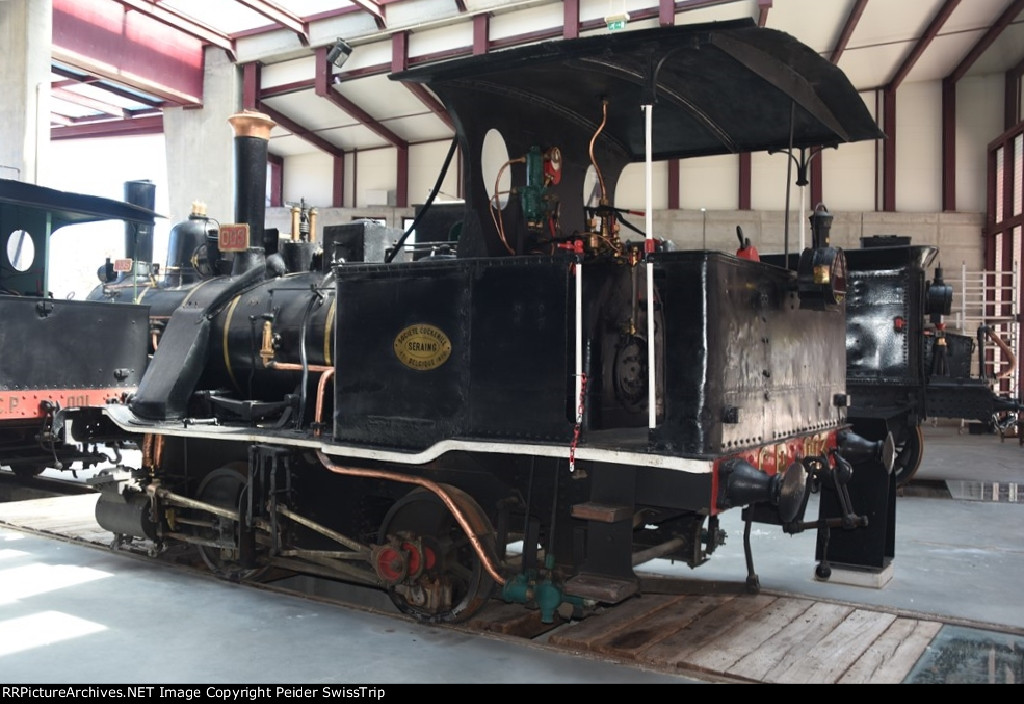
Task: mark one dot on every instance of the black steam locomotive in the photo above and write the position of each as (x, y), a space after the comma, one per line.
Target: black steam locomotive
(58, 353)
(902, 365)
(538, 408)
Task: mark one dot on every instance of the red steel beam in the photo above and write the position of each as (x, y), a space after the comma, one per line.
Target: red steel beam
(948, 144)
(744, 183)
(570, 19)
(481, 34)
(338, 188)
(923, 43)
(325, 90)
(104, 39)
(153, 124)
(299, 131)
(1011, 99)
(889, 150)
(949, 100)
(69, 96)
(279, 15)
(666, 13)
(991, 34)
(852, 20)
(400, 62)
(173, 18)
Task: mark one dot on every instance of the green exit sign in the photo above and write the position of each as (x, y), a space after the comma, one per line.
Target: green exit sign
(617, 21)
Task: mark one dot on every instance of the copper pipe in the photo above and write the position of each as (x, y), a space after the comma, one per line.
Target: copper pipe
(433, 487)
(158, 450)
(293, 367)
(1011, 358)
(320, 399)
(147, 450)
(593, 161)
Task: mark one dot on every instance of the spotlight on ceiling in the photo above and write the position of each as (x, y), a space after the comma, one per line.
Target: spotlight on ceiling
(339, 53)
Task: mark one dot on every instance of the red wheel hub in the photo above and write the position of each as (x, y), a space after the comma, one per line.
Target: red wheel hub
(391, 564)
(420, 557)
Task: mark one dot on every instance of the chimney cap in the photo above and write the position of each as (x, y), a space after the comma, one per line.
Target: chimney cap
(252, 123)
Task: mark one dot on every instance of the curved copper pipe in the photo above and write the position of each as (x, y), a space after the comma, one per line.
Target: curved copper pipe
(1011, 362)
(433, 487)
(326, 373)
(593, 161)
(320, 398)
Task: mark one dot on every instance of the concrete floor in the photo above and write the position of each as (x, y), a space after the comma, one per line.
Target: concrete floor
(73, 614)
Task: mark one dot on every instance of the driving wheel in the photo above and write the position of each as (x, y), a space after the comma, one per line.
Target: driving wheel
(909, 442)
(225, 487)
(25, 472)
(444, 581)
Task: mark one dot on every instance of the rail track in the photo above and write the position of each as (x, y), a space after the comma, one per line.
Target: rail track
(712, 630)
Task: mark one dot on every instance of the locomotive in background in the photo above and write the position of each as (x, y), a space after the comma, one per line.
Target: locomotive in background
(536, 415)
(903, 367)
(62, 353)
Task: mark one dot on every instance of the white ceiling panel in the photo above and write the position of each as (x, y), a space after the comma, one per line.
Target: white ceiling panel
(381, 97)
(884, 36)
(311, 111)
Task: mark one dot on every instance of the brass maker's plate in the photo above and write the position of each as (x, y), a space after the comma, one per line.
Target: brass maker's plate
(422, 347)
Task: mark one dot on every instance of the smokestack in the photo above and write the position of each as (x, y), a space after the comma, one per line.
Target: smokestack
(252, 133)
(138, 237)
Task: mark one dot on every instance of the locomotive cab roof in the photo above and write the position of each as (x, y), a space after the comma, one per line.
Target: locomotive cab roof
(66, 208)
(716, 88)
(30, 213)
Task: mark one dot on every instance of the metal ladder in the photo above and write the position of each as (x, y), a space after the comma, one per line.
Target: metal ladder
(992, 298)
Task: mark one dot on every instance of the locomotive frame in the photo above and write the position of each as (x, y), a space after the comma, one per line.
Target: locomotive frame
(552, 387)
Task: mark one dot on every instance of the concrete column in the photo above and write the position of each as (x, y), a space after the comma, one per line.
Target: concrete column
(26, 35)
(200, 144)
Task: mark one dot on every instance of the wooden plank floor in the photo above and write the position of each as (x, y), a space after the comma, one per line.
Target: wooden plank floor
(756, 638)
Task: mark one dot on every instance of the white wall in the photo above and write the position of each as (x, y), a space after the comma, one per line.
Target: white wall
(376, 172)
(100, 167)
(979, 120)
(630, 192)
(919, 147)
(710, 182)
(425, 162)
(848, 177)
(309, 176)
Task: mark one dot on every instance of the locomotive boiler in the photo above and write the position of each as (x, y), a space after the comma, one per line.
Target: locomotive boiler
(555, 404)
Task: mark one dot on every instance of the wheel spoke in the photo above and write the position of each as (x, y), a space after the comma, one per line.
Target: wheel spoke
(225, 487)
(909, 452)
(422, 515)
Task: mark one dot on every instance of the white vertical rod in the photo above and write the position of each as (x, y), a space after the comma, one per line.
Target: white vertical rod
(652, 414)
(579, 338)
(803, 218)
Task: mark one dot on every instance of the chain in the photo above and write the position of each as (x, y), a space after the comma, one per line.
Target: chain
(579, 424)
